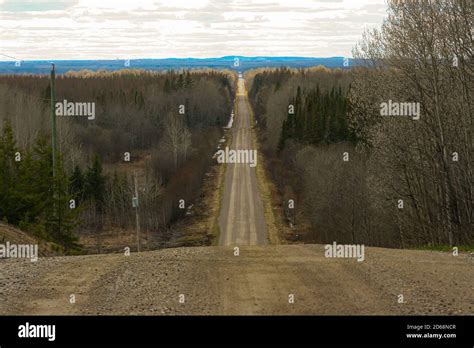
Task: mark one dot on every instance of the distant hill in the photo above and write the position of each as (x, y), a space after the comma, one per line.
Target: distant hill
(227, 62)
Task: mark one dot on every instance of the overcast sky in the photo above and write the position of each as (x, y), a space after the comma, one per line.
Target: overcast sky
(109, 29)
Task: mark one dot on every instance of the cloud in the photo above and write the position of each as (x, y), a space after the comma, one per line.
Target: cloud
(107, 29)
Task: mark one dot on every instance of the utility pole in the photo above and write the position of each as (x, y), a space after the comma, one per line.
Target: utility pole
(135, 205)
(53, 120)
(54, 139)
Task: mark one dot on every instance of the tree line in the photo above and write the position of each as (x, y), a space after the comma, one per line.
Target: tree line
(30, 197)
(161, 127)
(316, 117)
(361, 177)
(423, 53)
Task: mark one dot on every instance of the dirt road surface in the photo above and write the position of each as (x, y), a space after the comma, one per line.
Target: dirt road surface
(258, 281)
(241, 220)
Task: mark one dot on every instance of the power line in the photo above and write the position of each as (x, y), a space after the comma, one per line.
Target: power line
(6, 55)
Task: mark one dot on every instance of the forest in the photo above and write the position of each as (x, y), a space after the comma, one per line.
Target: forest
(358, 176)
(160, 128)
(353, 173)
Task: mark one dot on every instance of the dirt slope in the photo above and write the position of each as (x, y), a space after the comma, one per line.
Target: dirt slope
(14, 235)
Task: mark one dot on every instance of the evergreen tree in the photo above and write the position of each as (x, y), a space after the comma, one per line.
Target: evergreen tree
(180, 82)
(317, 117)
(8, 176)
(61, 214)
(95, 184)
(167, 87)
(56, 220)
(139, 100)
(188, 82)
(283, 135)
(77, 184)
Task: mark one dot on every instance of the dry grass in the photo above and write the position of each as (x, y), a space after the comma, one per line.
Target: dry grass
(109, 241)
(202, 228)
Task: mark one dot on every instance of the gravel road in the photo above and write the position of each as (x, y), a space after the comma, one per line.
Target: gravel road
(241, 219)
(258, 281)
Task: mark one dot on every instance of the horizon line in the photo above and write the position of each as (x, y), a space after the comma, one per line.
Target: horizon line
(168, 58)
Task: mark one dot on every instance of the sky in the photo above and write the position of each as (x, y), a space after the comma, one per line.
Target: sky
(131, 29)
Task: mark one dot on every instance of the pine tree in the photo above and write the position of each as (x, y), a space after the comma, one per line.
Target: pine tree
(95, 185)
(180, 83)
(55, 219)
(30, 198)
(188, 82)
(62, 219)
(76, 187)
(167, 87)
(8, 173)
(318, 117)
(283, 135)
